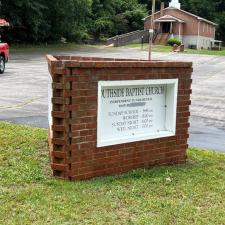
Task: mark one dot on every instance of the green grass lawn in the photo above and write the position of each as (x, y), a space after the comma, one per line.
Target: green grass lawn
(48, 47)
(187, 194)
(74, 46)
(164, 48)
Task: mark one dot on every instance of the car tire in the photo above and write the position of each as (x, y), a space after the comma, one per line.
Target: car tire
(2, 65)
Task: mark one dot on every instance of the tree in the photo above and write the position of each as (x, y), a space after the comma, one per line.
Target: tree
(202, 8)
(24, 16)
(101, 22)
(67, 20)
(116, 17)
(47, 21)
(129, 16)
(221, 26)
(44, 21)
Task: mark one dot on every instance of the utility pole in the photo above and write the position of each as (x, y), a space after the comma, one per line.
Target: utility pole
(151, 31)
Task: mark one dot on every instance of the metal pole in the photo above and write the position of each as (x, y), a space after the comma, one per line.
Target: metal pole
(142, 42)
(152, 27)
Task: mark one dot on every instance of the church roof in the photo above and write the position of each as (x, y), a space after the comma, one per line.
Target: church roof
(197, 17)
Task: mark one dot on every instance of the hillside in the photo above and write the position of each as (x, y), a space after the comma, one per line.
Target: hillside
(89, 20)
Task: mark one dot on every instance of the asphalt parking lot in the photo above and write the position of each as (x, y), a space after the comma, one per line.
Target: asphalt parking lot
(24, 100)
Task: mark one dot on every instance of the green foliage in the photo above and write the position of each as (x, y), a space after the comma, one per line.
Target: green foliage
(43, 21)
(173, 41)
(221, 26)
(76, 20)
(24, 16)
(129, 16)
(115, 17)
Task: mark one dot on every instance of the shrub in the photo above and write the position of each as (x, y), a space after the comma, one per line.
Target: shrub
(173, 41)
(79, 36)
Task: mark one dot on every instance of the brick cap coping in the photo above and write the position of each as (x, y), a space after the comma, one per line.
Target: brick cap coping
(97, 62)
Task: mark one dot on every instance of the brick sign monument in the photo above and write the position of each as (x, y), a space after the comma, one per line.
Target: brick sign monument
(110, 116)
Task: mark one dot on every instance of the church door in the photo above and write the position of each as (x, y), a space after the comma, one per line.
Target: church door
(166, 27)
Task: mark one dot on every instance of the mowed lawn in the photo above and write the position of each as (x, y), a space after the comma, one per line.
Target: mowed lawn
(193, 193)
(166, 48)
(73, 46)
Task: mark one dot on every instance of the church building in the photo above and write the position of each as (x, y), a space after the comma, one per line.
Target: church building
(193, 31)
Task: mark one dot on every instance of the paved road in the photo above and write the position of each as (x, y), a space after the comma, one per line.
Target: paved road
(23, 91)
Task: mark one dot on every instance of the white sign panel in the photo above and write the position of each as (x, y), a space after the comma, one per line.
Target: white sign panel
(136, 110)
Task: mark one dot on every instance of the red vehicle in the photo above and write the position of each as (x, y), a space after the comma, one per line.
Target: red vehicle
(4, 56)
(4, 48)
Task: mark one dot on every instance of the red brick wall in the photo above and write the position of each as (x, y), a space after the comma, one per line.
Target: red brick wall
(73, 150)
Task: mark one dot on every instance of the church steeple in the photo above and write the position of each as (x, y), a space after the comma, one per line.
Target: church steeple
(175, 4)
